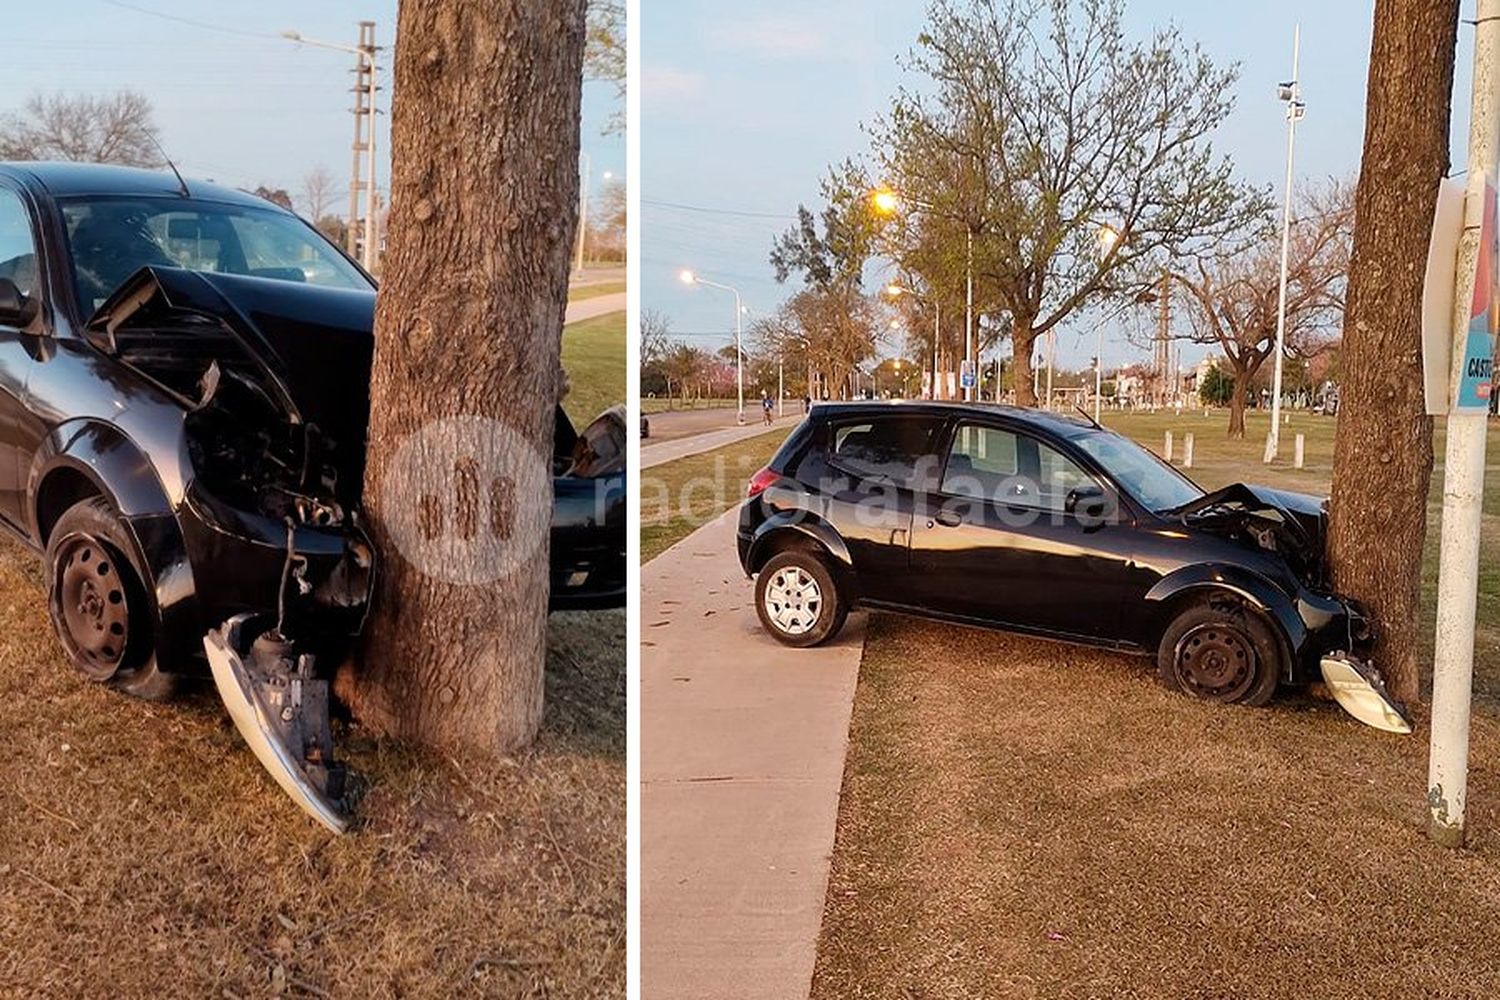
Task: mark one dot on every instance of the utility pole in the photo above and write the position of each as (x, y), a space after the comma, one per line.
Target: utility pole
(969, 313)
(583, 211)
(1291, 93)
(1463, 466)
(1163, 334)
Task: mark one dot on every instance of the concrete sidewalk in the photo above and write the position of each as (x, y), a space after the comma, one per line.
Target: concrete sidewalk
(668, 451)
(742, 757)
(599, 305)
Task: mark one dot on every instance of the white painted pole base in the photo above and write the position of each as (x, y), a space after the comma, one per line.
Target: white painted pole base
(1298, 452)
(1270, 455)
(1166, 448)
(1187, 451)
(1453, 662)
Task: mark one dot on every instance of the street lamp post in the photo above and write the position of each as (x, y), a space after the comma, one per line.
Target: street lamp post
(367, 53)
(894, 290)
(1291, 94)
(689, 278)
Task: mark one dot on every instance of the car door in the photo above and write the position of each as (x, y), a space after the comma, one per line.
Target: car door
(19, 263)
(1003, 539)
(878, 466)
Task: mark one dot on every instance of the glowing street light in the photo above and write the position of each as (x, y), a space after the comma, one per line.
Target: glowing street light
(688, 277)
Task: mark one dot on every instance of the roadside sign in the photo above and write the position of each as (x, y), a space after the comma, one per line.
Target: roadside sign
(966, 374)
(1473, 377)
(1467, 387)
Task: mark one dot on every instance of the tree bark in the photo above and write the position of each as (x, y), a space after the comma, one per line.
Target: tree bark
(468, 324)
(1023, 339)
(1383, 445)
(1237, 403)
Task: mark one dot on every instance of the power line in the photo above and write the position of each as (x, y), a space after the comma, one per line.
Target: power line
(190, 21)
(782, 216)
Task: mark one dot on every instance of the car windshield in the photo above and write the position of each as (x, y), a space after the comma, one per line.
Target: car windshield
(1138, 472)
(109, 239)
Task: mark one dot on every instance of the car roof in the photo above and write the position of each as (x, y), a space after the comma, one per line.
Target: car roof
(1059, 423)
(68, 179)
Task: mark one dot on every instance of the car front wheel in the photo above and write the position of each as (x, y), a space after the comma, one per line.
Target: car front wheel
(99, 605)
(1220, 650)
(798, 600)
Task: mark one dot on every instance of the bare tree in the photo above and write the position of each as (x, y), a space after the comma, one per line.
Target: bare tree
(605, 56)
(1036, 126)
(656, 332)
(467, 374)
(1382, 461)
(318, 189)
(1235, 296)
(118, 128)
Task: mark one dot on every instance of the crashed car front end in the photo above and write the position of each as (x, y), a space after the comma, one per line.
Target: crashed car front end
(1334, 636)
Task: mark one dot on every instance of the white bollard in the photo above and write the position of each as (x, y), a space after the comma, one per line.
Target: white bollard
(1270, 446)
(1297, 452)
(1187, 451)
(1167, 447)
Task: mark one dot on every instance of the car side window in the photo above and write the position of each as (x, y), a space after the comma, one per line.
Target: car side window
(896, 450)
(1002, 466)
(17, 247)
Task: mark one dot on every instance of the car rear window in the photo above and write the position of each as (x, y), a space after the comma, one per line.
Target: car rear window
(898, 450)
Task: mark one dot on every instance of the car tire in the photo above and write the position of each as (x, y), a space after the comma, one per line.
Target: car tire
(798, 599)
(1219, 649)
(101, 609)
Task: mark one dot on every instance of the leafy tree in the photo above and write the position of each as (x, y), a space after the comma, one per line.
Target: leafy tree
(604, 58)
(1038, 124)
(276, 196)
(118, 128)
(1216, 388)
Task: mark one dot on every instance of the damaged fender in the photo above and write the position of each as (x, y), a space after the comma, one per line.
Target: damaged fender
(281, 710)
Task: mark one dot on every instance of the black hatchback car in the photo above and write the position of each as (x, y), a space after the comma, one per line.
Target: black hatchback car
(1053, 526)
(184, 380)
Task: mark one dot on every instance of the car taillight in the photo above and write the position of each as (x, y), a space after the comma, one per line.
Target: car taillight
(759, 482)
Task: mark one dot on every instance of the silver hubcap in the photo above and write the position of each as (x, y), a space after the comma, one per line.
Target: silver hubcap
(793, 600)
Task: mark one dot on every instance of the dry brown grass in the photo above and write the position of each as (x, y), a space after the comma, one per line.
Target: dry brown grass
(1026, 819)
(143, 852)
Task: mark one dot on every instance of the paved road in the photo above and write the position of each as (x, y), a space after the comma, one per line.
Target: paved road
(743, 746)
(667, 451)
(599, 305)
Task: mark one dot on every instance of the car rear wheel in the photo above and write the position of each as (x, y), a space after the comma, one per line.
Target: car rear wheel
(100, 607)
(798, 600)
(1220, 650)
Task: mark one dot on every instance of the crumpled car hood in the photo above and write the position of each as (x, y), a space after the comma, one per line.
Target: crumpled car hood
(1294, 524)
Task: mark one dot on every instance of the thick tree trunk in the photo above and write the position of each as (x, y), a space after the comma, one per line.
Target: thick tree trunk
(1383, 446)
(1022, 340)
(1237, 404)
(484, 195)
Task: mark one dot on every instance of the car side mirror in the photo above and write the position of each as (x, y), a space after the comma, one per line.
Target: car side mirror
(16, 308)
(1087, 502)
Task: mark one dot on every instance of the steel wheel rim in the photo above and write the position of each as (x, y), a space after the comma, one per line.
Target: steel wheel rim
(1215, 661)
(793, 600)
(92, 608)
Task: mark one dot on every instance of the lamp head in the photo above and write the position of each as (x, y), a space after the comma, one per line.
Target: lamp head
(688, 277)
(886, 202)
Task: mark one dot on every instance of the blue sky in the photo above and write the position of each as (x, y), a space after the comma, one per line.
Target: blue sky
(744, 106)
(235, 102)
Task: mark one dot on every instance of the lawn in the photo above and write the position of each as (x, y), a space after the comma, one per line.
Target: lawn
(663, 405)
(593, 353)
(1026, 819)
(582, 292)
(678, 498)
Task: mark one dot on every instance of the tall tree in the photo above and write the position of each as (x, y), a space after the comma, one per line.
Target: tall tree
(318, 188)
(468, 327)
(1235, 295)
(118, 128)
(1382, 464)
(1038, 124)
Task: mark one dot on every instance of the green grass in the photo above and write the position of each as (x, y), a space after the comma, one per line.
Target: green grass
(677, 498)
(593, 352)
(663, 405)
(595, 291)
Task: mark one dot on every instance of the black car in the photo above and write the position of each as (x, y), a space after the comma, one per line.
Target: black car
(1053, 526)
(184, 380)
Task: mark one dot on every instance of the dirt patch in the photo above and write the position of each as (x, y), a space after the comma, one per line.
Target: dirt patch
(143, 851)
(1025, 819)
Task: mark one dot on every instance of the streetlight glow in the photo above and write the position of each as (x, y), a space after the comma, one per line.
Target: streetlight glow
(894, 290)
(1108, 238)
(688, 277)
(885, 201)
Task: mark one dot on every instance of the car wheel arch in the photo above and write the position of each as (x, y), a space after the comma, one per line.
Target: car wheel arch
(1174, 594)
(781, 534)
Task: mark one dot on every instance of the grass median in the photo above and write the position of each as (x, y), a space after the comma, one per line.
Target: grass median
(1024, 818)
(679, 497)
(593, 354)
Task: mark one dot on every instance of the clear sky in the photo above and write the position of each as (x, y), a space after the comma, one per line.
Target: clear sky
(745, 105)
(235, 102)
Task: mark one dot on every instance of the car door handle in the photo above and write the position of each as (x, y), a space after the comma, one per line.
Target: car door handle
(948, 518)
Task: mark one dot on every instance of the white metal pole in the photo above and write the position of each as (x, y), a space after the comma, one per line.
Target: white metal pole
(583, 212)
(1051, 354)
(1293, 111)
(937, 327)
(1099, 372)
(969, 313)
(1463, 476)
(739, 358)
(780, 386)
